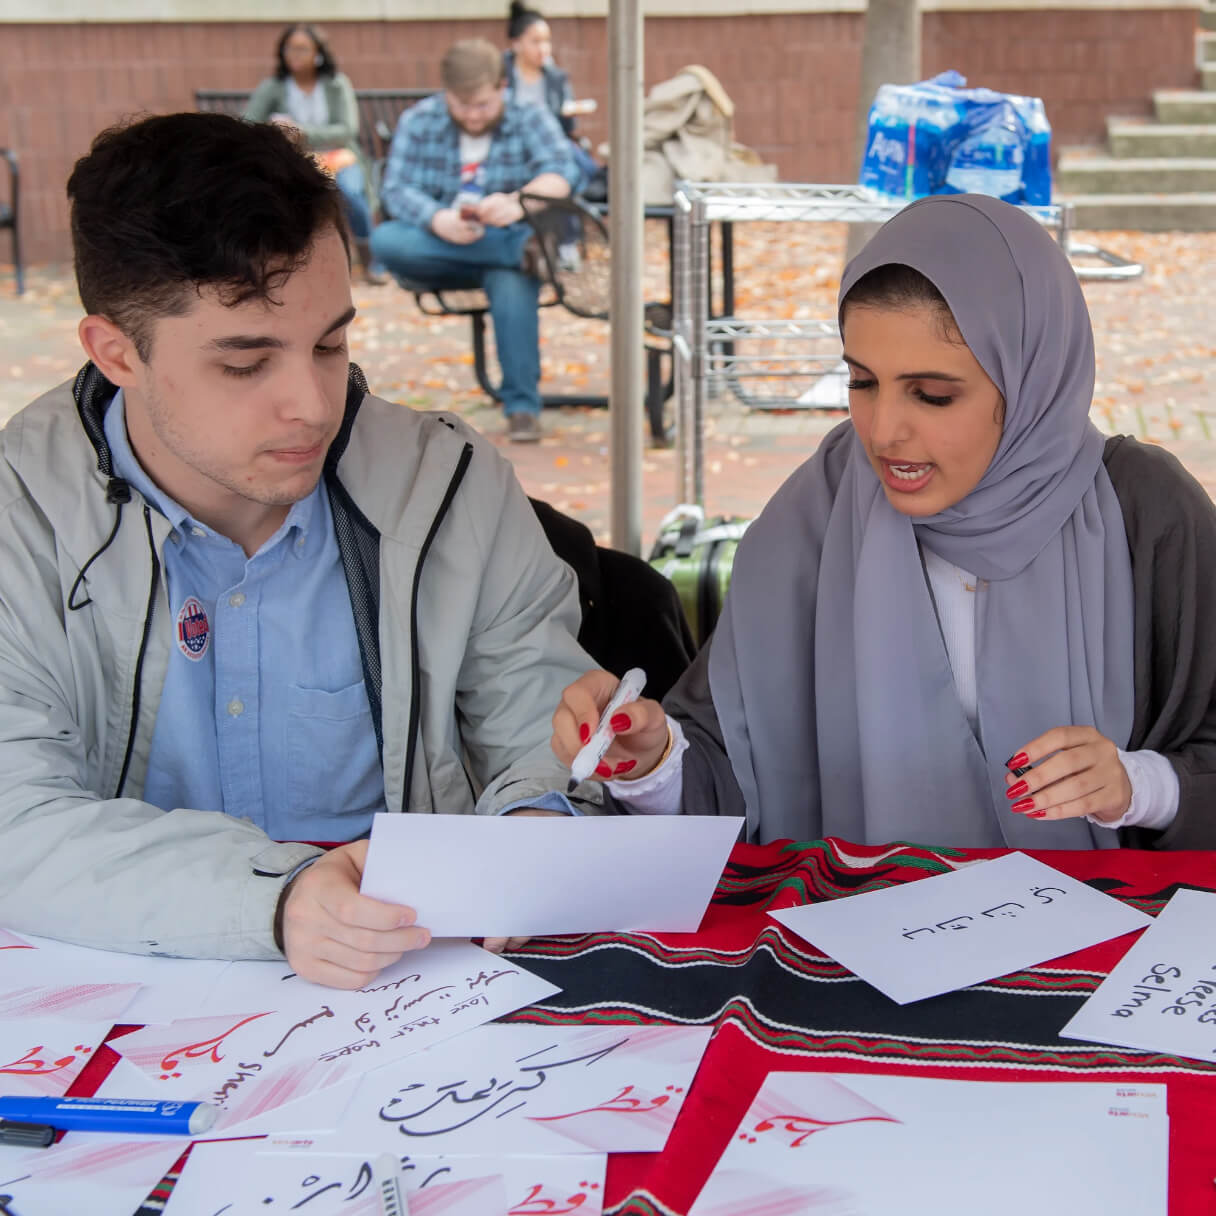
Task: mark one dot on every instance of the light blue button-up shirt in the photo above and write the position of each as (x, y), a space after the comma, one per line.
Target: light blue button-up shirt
(264, 714)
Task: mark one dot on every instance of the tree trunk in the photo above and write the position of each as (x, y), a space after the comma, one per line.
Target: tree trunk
(890, 54)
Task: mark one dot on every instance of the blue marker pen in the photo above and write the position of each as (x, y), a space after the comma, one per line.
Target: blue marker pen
(138, 1115)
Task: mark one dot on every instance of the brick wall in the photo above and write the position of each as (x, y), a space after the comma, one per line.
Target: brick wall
(793, 77)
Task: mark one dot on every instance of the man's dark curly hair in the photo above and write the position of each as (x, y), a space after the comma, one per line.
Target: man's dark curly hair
(168, 205)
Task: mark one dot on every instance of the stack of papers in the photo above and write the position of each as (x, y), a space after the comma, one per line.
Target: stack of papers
(401, 1084)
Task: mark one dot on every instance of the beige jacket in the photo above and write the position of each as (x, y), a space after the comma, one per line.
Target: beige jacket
(497, 615)
(688, 133)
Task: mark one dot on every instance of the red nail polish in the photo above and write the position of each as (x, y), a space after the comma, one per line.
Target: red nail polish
(620, 722)
(602, 770)
(1036, 814)
(584, 732)
(626, 765)
(1017, 789)
(1021, 760)
(1023, 805)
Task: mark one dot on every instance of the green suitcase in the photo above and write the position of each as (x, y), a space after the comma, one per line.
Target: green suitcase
(696, 555)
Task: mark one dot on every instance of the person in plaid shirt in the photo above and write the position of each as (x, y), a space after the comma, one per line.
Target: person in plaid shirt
(457, 162)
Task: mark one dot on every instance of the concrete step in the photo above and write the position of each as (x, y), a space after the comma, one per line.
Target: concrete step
(1205, 47)
(1143, 212)
(1081, 172)
(1127, 137)
(1184, 106)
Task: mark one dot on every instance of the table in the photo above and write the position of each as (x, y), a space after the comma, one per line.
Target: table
(778, 1005)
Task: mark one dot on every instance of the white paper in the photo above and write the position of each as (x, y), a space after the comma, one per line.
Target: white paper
(171, 987)
(76, 1002)
(502, 876)
(934, 935)
(870, 1145)
(280, 1038)
(527, 1089)
(252, 1177)
(87, 1172)
(315, 1113)
(43, 1058)
(1162, 994)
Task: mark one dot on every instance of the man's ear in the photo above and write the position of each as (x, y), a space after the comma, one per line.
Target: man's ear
(111, 351)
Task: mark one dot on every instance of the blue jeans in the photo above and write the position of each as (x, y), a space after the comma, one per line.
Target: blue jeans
(491, 263)
(353, 187)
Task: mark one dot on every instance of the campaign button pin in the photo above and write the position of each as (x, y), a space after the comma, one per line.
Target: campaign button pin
(193, 629)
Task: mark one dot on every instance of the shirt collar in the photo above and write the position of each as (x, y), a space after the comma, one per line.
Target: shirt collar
(303, 518)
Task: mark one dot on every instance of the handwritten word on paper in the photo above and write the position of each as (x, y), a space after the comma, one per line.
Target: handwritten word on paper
(529, 1089)
(479, 875)
(1162, 994)
(810, 1141)
(952, 930)
(299, 1037)
(248, 1177)
(43, 1058)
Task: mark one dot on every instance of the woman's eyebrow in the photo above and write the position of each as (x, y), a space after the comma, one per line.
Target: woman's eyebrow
(908, 375)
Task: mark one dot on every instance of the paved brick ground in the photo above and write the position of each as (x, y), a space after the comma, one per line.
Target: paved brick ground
(1155, 339)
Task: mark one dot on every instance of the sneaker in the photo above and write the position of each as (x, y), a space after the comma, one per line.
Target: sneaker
(523, 427)
(569, 259)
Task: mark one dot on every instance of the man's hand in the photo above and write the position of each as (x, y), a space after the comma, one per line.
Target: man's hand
(332, 935)
(447, 225)
(496, 945)
(500, 210)
(639, 728)
(1084, 776)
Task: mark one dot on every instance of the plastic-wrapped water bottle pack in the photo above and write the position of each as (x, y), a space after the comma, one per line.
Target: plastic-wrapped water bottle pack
(940, 137)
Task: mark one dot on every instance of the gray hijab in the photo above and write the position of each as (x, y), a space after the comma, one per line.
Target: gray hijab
(828, 671)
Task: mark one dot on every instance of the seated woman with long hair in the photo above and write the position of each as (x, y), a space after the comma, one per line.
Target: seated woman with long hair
(308, 92)
(968, 620)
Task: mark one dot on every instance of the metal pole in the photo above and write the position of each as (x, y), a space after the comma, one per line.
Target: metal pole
(626, 233)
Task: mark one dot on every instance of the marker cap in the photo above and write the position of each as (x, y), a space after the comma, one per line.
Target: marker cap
(26, 1135)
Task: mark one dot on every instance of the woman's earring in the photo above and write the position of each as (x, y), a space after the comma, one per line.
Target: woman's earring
(319, 60)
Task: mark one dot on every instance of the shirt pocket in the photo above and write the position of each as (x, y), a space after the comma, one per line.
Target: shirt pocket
(333, 766)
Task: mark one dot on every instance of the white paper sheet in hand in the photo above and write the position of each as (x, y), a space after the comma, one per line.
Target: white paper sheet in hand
(502, 876)
(938, 934)
(1162, 994)
(810, 1142)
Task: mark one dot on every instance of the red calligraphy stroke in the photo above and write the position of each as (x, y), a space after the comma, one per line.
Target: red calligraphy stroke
(621, 1104)
(533, 1204)
(194, 1051)
(803, 1127)
(30, 1066)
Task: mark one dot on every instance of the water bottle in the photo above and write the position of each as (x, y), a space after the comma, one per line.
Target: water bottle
(990, 160)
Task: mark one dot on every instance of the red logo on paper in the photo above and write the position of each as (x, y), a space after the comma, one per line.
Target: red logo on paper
(193, 630)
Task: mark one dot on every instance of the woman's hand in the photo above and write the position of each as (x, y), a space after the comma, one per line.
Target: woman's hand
(1084, 777)
(640, 727)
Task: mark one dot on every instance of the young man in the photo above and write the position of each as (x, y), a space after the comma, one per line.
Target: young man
(241, 600)
(456, 165)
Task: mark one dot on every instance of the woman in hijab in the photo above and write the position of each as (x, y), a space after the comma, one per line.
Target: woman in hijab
(968, 620)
